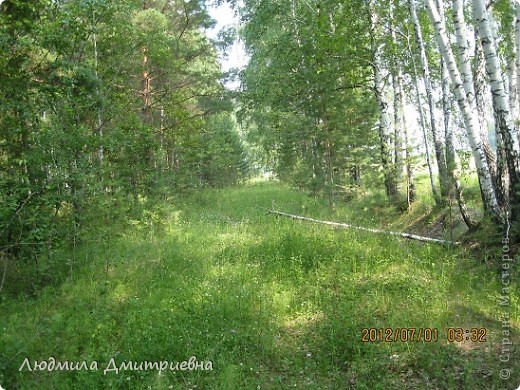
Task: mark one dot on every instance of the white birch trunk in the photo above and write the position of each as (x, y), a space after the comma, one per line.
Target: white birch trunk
(461, 33)
(470, 85)
(398, 125)
(452, 160)
(397, 76)
(384, 116)
(501, 108)
(422, 121)
(470, 120)
(437, 142)
(348, 226)
(410, 185)
(514, 66)
(511, 70)
(511, 75)
(483, 103)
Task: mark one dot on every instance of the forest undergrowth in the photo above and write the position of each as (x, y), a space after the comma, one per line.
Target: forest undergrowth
(272, 303)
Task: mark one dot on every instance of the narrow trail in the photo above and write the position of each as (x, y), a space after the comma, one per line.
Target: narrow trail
(267, 301)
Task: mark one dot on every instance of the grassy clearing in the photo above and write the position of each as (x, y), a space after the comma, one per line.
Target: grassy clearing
(273, 303)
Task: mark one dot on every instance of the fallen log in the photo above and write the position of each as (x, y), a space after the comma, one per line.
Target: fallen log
(346, 225)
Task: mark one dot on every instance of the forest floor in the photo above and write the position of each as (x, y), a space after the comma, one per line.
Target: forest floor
(273, 303)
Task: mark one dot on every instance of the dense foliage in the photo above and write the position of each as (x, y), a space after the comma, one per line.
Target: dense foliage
(103, 102)
(125, 239)
(307, 95)
(339, 93)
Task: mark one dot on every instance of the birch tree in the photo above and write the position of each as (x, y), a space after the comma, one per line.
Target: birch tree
(503, 120)
(382, 102)
(462, 34)
(470, 119)
(397, 81)
(422, 123)
(452, 160)
(437, 142)
(511, 64)
(410, 185)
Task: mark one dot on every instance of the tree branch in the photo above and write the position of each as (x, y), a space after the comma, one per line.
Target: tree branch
(344, 225)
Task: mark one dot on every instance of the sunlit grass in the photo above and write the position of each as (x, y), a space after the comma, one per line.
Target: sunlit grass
(273, 303)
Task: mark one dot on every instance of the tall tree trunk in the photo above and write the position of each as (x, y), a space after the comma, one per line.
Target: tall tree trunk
(517, 60)
(384, 117)
(502, 177)
(461, 33)
(511, 70)
(470, 121)
(398, 126)
(422, 121)
(328, 154)
(475, 87)
(474, 94)
(99, 129)
(501, 108)
(146, 81)
(437, 141)
(410, 186)
(452, 160)
(146, 88)
(482, 99)
(397, 76)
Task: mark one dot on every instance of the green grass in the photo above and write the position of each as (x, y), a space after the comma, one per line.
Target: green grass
(273, 303)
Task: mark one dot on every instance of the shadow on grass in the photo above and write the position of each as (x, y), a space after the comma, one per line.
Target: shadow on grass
(272, 303)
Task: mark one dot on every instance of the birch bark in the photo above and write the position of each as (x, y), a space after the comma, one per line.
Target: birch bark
(384, 116)
(452, 160)
(437, 141)
(470, 84)
(503, 121)
(470, 120)
(511, 68)
(397, 76)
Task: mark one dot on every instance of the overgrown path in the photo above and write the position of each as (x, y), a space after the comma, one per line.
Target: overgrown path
(273, 304)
